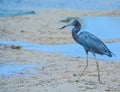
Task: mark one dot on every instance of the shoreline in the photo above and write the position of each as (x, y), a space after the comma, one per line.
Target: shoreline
(83, 12)
(43, 30)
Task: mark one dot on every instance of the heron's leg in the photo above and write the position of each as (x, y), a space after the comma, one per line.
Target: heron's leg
(98, 69)
(86, 64)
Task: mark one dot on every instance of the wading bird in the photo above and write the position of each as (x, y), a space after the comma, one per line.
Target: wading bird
(90, 42)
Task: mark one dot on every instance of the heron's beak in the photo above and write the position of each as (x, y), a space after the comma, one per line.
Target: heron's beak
(65, 26)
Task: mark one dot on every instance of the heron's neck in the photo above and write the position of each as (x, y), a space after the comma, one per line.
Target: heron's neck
(75, 31)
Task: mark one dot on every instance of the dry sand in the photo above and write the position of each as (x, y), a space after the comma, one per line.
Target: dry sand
(59, 73)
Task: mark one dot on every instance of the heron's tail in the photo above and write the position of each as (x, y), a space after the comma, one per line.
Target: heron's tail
(111, 54)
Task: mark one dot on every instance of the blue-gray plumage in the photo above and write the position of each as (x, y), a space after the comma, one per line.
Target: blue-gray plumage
(90, 42)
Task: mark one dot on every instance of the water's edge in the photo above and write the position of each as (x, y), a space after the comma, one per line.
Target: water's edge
(72, 50)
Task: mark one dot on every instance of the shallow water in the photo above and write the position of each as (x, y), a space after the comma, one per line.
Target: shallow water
(103, 27)
(34, 5)
(71, 4)
(67, 50)
(12, 68)
(72, 50)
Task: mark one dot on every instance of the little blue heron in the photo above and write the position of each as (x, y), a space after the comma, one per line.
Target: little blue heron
(90, 42)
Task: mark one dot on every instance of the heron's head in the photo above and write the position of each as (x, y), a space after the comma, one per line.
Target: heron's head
(74, 23)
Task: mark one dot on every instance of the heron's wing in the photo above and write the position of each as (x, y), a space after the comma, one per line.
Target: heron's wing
(92, 43)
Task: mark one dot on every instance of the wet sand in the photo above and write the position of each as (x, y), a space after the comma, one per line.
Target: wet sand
(60, 74)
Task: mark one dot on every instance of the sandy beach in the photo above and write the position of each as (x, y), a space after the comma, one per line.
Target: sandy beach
(59, 73)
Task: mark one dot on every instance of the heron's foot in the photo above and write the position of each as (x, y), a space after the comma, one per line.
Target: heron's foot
(101, 82)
